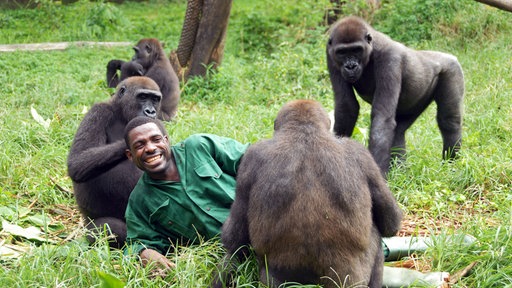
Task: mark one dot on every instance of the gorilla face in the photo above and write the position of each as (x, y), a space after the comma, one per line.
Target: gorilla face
(138, 96)
(349, 60)
(350, 51)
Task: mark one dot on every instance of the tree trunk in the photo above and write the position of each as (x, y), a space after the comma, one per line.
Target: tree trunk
(189, 31)
(208, 47)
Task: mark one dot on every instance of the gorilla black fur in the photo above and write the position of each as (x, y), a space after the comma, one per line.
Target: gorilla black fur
(102, 176)
(150, 61)
(311, 205)
(398, 82)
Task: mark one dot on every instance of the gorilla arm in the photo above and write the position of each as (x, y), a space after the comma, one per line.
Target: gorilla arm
(112, 76)
(387, 215)
(128, 69)
(345, 103)
(384, 103)
(235, 231)
(90, 154)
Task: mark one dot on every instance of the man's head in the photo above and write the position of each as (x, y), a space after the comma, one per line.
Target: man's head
(148, 145)
(141, 120)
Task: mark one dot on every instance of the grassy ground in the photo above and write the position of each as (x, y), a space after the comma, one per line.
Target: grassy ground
(274, 53)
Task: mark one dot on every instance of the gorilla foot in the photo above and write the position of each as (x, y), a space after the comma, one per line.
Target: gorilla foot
(111, 229)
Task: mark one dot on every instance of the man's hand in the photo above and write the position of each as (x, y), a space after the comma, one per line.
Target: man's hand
(163, 264)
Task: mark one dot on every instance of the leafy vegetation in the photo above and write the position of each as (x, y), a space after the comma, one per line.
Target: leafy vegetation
(274, 53)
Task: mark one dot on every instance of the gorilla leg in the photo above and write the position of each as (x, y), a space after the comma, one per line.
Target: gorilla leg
(269, 276)
(449, 97)
(398, 149)
(275, 277)
(107, 226)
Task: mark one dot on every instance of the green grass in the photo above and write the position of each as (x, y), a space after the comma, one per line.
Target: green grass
(274, 53)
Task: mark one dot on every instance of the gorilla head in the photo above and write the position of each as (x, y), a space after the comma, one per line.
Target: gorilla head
(137, 96)
(350, 47)
(302, 113)
(147, 52)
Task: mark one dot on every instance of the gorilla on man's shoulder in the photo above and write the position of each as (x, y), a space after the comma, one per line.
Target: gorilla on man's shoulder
(398, 82)
(102, 176)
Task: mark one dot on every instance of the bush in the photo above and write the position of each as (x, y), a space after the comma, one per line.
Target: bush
(415, 20)
(418, 21)
(103, 19)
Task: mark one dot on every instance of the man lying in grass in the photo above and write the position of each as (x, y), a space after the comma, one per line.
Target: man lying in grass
(187, 189)
(183, 192)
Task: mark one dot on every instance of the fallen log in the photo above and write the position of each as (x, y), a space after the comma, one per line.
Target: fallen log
(58, 46)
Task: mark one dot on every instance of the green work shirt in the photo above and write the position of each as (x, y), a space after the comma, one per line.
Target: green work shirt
(159, 213)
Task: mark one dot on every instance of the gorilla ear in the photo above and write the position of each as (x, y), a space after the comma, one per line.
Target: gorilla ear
(148, 48)
(276, 125)
(368, 37)
(121, 92)
(329, 42)
(136, 49)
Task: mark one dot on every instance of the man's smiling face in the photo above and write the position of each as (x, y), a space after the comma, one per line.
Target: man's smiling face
(149, 149)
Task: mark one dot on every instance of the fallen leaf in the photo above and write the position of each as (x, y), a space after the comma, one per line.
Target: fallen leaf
(39, 119)
(30, 233)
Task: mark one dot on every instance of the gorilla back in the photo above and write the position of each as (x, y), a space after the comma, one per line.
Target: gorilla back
(102, 176)
(311, 205)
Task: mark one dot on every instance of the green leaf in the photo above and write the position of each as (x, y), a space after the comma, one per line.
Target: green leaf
(110, 281)
(7, 212)
(40, 220)
(30, 233)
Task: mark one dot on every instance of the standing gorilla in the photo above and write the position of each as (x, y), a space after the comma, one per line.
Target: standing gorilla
(311, 205)
(150, 61)
(398, 82)
(103, 177)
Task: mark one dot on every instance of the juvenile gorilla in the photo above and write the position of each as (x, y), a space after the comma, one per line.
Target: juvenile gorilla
(311, 205)
(398, 82)
(103, 177)
(150, 61)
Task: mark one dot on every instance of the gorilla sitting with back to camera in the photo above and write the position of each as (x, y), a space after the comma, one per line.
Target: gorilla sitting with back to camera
(102, 176)
(150, 61)
(398, 82)
(312, 206)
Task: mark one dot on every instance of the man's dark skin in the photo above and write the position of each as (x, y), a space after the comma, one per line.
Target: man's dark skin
(149, 149)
